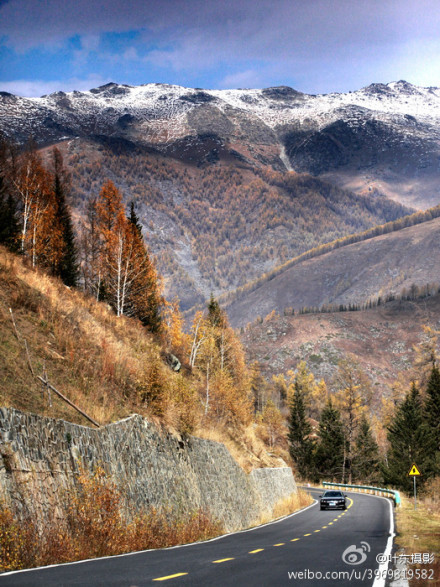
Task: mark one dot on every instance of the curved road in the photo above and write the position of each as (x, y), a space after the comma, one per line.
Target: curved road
(303, 549)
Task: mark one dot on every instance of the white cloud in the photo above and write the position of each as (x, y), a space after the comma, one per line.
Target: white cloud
(243, 79)
(131, 54)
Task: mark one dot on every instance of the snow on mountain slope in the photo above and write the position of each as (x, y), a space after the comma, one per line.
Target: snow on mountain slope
(383, 138)
(275, 107)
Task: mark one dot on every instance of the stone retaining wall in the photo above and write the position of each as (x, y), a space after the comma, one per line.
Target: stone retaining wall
(40, 459)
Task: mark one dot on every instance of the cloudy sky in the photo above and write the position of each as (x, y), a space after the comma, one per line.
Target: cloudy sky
(316, 46)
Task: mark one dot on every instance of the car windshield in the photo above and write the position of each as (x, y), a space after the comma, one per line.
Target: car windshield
(332, 494)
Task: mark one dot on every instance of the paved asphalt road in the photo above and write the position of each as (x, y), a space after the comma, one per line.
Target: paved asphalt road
(311, 541)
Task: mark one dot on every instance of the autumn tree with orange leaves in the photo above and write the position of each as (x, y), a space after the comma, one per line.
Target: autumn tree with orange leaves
(41, 237)
(122, 269)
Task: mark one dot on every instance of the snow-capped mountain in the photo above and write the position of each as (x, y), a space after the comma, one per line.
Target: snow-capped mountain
(382, 138)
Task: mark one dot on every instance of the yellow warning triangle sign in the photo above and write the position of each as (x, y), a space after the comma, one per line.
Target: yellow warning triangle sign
(414, 471)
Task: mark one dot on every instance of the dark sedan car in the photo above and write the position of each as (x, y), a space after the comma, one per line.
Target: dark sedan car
(332, 500)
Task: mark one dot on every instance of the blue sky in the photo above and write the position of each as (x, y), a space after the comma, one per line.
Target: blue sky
(315, 46)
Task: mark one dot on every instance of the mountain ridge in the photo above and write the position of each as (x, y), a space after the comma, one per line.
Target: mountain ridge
(382, 137)
(393, 226)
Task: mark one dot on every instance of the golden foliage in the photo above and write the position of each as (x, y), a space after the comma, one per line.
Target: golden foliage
(12, 541)
(218, 361)
(273, 424)
(41, 237)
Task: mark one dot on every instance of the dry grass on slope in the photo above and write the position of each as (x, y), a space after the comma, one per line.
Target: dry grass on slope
(108, 366)
(418, 534)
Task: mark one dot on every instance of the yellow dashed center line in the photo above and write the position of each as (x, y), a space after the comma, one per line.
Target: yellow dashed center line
(170, 577)
(223, 560)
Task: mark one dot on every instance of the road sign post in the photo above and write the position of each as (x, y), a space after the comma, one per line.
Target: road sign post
(414, 472)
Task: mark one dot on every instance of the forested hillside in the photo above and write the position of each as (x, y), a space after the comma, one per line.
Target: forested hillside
(216, 225)
(382, 337)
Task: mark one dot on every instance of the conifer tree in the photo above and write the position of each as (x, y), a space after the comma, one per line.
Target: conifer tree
(410, 443)
(216, 315)
(9, 227)
(330, 452)
(91, 252)
(366, 459)
(432, 414)
(68, 264)
(41, 232)
(133, 218)
(300, 430)
(354, 393)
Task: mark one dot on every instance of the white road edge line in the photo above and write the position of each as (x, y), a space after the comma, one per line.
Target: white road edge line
(379, 581)
(88, 560)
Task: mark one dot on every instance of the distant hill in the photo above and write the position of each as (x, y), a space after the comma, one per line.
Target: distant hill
(381, 339)
(352, 274)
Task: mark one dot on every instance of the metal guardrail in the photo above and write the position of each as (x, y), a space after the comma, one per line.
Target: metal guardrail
(376, 490)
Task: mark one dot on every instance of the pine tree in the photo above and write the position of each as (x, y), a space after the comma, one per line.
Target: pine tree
(216, 315)
(147, 302)
(134, 219)
(432, 414)
(9, 227)
(409, 443)
(330, 452)
(300, 430)
(366, 459)
(145, 297)
(68, 264)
